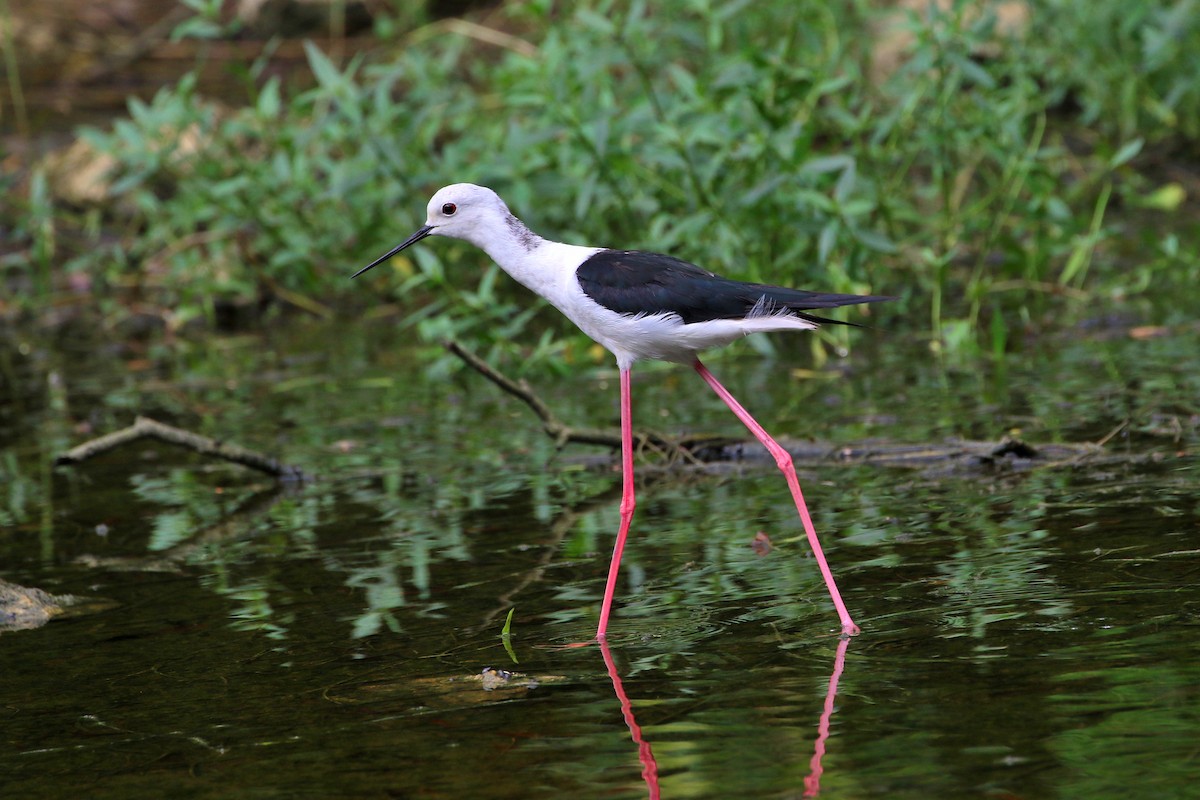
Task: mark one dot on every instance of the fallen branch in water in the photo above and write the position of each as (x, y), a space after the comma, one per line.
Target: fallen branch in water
(560, 431)
(945, 459)
(144, 427)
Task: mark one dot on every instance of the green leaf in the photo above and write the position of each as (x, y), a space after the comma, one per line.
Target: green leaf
(825, 164)
(326, 73)
(269, 100)
(1165, 198)
(1126, 153)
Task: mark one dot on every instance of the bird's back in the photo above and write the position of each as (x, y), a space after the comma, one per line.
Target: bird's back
(637, 282)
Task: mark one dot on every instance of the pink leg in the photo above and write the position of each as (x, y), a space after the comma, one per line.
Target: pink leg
(627, 502)
(783, 460)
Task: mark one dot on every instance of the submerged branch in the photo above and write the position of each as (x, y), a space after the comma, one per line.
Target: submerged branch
(935, 459)
(560, 431)
(144, 427)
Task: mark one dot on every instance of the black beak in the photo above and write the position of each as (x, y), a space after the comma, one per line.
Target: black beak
(416, 237)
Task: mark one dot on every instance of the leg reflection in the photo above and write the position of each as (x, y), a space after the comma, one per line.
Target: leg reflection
(645, 754)
(812, 784)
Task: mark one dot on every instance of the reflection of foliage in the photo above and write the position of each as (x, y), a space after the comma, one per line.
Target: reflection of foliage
(432, 492)
(253, 610)
(383, 592)
(18, 494)
(443, 485)
(1019, 627)
(1143, 721)
(194, 505)
(998, 571)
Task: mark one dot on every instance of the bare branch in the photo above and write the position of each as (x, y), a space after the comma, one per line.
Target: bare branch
(558, 430)
(146, 427)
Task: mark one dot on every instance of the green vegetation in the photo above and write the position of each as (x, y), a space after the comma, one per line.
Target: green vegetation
(998, 175)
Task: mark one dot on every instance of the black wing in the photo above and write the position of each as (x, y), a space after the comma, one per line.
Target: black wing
(636, 282)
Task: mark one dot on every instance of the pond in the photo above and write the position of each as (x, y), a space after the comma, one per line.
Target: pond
(1026, 632)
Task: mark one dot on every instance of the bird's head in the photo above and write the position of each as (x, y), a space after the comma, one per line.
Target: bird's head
(460, 211)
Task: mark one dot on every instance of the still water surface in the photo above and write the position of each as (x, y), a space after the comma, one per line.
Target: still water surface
(1025, 635)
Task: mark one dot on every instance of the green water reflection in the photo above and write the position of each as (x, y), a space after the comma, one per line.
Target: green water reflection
(1026, 635)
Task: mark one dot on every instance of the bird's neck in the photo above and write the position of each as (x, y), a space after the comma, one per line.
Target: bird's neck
(520, 236)
(505, 238)
(513, 246)
(541, 265)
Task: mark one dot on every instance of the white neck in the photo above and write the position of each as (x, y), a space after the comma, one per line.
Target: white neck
(543, 266)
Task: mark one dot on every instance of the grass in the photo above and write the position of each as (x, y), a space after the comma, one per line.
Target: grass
(979, 180)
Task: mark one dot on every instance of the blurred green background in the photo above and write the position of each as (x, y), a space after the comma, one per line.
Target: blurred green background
(1005, 168)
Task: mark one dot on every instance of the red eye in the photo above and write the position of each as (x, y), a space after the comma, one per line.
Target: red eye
(448, 209)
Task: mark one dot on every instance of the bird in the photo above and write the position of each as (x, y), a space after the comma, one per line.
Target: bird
(638, 305)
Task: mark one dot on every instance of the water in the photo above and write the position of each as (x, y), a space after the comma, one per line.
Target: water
(1025, 635)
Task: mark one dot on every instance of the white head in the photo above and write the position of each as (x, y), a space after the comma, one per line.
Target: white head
(460, 210)
(465, 211)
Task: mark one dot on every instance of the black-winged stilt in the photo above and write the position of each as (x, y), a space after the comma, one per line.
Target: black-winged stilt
(637, 305)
